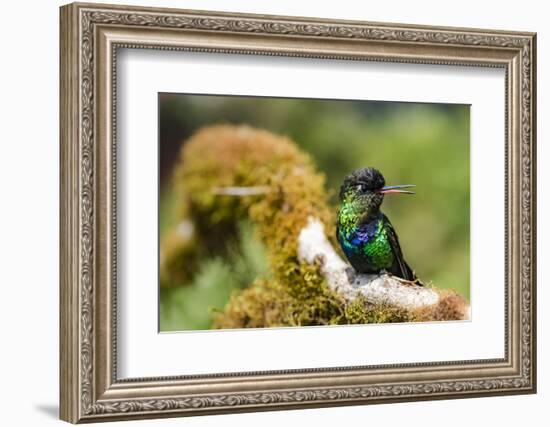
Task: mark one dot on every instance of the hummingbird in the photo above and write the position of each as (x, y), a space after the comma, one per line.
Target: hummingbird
(365, 234)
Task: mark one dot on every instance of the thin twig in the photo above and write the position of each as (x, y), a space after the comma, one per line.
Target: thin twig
(241, 191)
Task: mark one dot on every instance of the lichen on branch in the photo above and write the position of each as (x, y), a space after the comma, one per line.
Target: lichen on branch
(313, 246)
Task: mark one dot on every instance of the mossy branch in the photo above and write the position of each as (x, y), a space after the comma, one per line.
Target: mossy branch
(313, 246)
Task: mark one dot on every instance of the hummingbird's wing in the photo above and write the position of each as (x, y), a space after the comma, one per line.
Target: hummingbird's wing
(400, 267)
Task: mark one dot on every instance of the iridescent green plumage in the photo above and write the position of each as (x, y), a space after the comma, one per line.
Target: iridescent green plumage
(366, 235)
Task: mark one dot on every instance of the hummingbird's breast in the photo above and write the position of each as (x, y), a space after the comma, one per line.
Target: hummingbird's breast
(366, 246)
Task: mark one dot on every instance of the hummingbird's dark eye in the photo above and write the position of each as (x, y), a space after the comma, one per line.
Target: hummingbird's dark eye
(360, 188)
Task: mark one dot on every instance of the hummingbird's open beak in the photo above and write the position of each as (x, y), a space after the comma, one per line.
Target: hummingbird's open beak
(396, 189)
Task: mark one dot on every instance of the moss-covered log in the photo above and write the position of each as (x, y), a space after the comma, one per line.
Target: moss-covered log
(217, 166)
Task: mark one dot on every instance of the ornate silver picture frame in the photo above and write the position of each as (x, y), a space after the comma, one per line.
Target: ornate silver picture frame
(91, 35)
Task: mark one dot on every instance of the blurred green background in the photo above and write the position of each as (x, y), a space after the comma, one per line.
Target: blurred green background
(410, 143)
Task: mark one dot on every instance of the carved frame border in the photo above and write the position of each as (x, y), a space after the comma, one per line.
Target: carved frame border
(90, 36)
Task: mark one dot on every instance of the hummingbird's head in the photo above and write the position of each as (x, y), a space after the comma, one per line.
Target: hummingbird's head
(365, 188)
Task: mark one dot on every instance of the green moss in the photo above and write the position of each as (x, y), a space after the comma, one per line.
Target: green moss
(361, 311)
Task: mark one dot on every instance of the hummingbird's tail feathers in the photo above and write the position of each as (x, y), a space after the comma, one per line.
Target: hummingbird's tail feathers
(401, 269)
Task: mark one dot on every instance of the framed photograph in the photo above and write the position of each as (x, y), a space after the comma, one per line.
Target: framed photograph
(265, 212)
